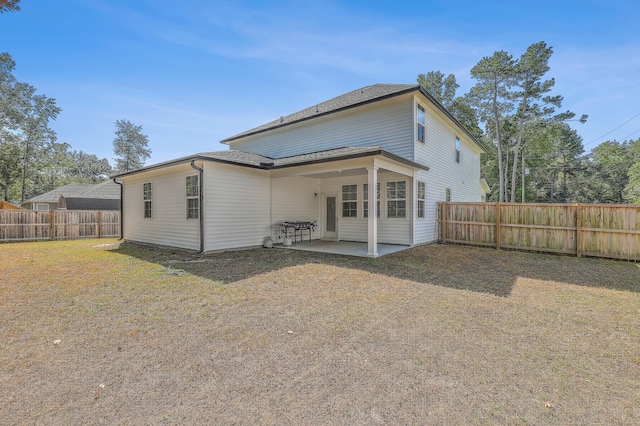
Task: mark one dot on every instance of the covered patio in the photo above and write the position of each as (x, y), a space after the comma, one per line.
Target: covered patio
(324, 177)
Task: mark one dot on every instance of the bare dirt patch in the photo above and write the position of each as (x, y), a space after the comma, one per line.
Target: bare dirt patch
(137, 335)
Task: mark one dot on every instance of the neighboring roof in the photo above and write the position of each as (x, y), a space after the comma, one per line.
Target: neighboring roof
(72, 203)
(247, 159)
(356, 98)
(362, 96)
(5, 205)
(104, 190)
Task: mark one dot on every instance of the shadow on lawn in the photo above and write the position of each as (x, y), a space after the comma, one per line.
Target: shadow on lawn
(462, 267)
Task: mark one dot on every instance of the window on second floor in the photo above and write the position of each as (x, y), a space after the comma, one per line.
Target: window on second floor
(397, 199)
(457, 150)
(349, 200)
(421, 130)
(146, 197)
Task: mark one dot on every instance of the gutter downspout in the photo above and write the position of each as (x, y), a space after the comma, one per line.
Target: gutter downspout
(121, 211)
(200, 206)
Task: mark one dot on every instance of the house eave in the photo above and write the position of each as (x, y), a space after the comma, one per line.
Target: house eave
(267, 167)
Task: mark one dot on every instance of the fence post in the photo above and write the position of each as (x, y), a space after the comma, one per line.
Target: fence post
(52, 219)
(578, 230)
(497, 233)
(444, 222)
(99, 223)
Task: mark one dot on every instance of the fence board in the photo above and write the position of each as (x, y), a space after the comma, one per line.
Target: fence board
(596, 230)
(28, 225)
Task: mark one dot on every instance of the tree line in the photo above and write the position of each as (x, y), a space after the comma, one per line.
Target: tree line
(33, 162)
(533, 154)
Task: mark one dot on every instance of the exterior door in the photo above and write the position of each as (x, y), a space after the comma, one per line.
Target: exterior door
(330, 216)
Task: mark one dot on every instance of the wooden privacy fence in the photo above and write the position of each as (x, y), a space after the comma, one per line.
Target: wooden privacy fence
(598, 230)
(28, 225)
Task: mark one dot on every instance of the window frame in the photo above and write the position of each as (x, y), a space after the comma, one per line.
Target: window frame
(393, 199)
(421, 202)
(147, 200)
(457, 149)
(447, 195)
(421, 126)
(365, 200)
(192, 211)
(350, 203)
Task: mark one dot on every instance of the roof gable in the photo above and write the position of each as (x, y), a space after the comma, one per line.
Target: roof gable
(356, 98)
(365, 95)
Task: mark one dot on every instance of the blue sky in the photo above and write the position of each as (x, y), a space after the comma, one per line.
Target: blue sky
(195, 72)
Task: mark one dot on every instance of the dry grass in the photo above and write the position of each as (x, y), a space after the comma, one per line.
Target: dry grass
(138, 335)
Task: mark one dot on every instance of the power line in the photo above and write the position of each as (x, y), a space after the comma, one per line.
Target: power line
(630, 134)
(611, 131)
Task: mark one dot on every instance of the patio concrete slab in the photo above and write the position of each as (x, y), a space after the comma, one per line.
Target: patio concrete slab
(347, 248)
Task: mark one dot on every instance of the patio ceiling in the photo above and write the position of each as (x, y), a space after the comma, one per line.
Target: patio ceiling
(341, 173)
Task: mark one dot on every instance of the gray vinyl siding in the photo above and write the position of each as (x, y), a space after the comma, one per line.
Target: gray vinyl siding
(439, 154)
(237, 206)
(390, 231)
(294, 198)
(168, 224)
(387, 124)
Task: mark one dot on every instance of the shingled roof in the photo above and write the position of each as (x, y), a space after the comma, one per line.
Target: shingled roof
(104, 190)
(358, 97)
(247, 159)
(260, 161)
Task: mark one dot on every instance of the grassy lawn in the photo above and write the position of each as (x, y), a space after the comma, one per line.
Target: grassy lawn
(93, 332)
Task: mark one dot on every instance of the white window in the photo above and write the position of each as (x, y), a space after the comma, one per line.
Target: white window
(421, 199)
(349, 200)
(447, 195)
(457, 150)
(365, 204)
(193, 197)
(397, 199)
(421, 131)
(41, 207)
(146, 197)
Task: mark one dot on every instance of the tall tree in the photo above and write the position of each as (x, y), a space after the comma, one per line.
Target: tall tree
(492, 98)
(88, 167)
(24, 122)
(532, 104)
(35, 135)
(130, 146)
(9, 6)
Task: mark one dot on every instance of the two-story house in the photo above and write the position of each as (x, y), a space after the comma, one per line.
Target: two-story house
(367, 166)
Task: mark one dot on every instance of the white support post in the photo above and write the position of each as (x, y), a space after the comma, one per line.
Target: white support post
(372, 239)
